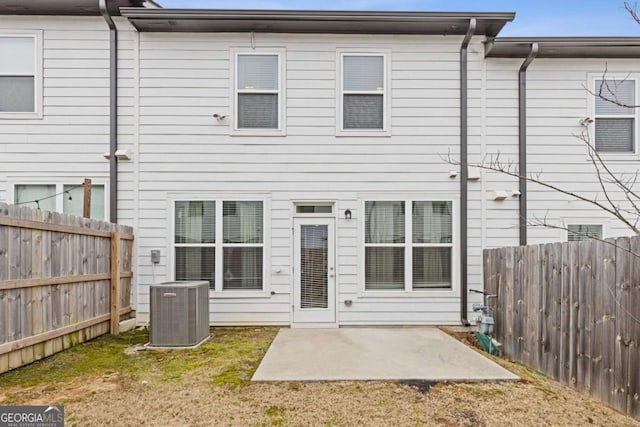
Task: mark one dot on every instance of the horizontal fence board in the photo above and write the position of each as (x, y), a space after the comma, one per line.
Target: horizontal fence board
(35, 339)
(69, 229)
(64, 280)
(572, 311)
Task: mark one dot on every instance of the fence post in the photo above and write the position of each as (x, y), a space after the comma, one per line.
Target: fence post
(115, 283)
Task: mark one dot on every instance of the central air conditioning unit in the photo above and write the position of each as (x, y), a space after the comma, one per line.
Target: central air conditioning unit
(179, 314)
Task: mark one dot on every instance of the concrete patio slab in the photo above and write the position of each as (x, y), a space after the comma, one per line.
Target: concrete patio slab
(403, 353)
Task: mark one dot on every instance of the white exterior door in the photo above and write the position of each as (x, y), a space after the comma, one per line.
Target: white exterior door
(314, 272)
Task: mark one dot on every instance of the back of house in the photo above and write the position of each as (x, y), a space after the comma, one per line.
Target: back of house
(310, 165)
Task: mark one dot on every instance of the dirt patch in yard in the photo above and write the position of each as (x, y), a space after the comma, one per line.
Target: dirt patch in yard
(210, 386)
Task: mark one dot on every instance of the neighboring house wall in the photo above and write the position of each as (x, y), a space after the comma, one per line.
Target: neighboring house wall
(66, 144)
(557, 99)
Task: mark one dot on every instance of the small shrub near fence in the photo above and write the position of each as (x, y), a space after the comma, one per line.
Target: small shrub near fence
(572, 311)
(63, 280)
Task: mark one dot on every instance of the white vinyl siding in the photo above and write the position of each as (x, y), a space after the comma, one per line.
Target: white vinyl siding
(184, 154)
(258, 91)
(615, 120)
(408, 250)
(20, 75)
(65, 198)
(577, 232)
(220, 241)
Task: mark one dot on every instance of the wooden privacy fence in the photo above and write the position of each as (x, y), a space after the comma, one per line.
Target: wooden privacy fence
(572, 311)
(63, 280)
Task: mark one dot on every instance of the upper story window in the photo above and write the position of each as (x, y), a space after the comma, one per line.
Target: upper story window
(258, 92)
(615, 117)
(64, 198)
(19, 75)
(363, 92)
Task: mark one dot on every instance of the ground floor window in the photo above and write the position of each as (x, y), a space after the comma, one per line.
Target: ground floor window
(408, 244)
(65, 198)
(220, 241)
(577, 232)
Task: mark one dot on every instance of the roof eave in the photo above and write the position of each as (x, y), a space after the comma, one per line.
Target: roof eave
(305, 21)
(564, 47)
(67, 7)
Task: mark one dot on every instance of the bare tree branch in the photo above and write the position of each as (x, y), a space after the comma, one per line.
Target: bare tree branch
(633, 11)
(607, 90)
(623, 183)
(507, 168)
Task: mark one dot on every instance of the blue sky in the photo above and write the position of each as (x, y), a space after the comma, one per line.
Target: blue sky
(533, 17)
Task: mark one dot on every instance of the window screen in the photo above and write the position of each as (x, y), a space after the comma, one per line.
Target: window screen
(363, 92)
(17, 74)
(615, 117)
(577, 232)
(258, 91)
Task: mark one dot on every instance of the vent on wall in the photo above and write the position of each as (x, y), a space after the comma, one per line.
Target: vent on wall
(179, 314)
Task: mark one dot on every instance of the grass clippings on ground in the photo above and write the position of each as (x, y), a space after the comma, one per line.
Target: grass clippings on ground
(102, 385)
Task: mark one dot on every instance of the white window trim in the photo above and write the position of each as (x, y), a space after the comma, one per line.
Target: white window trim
(613, 156)
(37, 77)
(219, 245)
(408, 290)
(386, 93)
(59, 184)
(282, 60)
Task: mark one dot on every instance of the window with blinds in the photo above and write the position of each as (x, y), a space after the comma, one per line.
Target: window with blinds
(408, 251)
(432, 244)
(615, 117)
(221, 241)
(18, 74)
(578, 232)
(242, 224)
(384, 239)
(257, 91)
(314, 266)
(194, 239)
(363, 92)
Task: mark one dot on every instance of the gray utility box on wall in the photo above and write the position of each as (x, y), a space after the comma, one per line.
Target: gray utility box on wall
(179, 314)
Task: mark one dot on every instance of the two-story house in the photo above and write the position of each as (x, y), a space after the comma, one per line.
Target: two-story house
(297, 160)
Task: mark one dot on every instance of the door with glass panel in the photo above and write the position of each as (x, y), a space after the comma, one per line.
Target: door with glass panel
(314, 271)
